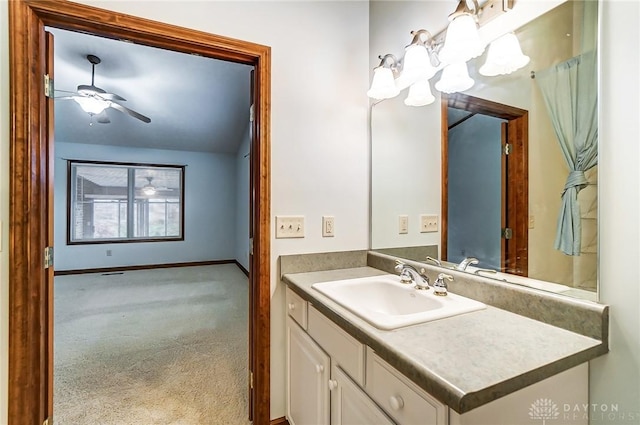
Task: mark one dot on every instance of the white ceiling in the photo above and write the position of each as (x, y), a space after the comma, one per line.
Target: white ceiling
(195, 103)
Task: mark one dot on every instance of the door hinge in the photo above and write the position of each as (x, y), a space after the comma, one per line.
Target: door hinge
(48, 257)
(252, 113)
(507, 233)
(251, 380)
(507, 148)
(48, 421)
(251, 246)
(48, 85)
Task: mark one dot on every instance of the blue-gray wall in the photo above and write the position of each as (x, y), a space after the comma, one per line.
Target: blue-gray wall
(475, 174)
(210, 210)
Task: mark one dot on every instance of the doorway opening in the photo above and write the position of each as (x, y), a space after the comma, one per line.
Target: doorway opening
(31, 191)
(500, 161)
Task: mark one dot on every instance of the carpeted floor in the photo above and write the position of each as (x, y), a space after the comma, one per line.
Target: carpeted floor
(164, 346)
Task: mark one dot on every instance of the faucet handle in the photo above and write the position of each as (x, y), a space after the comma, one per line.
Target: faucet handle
(399, 265)
(440, 286)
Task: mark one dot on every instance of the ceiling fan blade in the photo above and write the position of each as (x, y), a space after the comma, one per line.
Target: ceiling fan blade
(102, 117)
(112, 96)
(131, 112)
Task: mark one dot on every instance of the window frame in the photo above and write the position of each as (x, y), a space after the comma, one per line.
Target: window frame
(146, 239)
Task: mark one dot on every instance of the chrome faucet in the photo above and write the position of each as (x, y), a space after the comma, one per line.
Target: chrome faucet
(434, 261)
(409, 274)
(440, 286)
(466, 262)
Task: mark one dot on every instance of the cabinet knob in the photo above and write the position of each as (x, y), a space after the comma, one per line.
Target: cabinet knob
(292, 306)
(319, 368)
(333, 384)
(396, 402)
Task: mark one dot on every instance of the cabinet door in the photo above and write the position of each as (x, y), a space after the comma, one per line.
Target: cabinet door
(308, 369)
(350, 405)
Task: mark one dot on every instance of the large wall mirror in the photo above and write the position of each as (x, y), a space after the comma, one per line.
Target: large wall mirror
(448, 159)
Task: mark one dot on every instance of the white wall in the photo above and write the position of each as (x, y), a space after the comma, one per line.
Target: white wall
(242, 201)
(210, 219)
(615, 377)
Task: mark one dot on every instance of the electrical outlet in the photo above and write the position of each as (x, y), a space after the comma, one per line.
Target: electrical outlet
(403, 224)
(532, 221)
(328, 226)
(428, 223)
(109, 253)
(291, 226)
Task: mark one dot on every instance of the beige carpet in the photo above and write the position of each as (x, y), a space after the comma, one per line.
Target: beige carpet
(164, 346)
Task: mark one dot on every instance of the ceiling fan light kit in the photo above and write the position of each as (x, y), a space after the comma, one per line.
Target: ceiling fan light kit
(95, 100)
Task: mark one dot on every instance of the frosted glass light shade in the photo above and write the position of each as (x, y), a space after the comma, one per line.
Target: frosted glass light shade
(504, 56)
(383, 85)
(417, 64)
(419, 94)
(91, 104)
(455, 78)
(462, 41)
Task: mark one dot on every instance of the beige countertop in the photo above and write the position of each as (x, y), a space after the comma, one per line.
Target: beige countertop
(464, 361)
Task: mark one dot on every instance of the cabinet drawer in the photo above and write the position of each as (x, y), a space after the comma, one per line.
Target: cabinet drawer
(344, 349)
(402, 399)
(296, 307)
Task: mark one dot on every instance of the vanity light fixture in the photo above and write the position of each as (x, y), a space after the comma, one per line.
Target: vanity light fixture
(383, 85)
(420, 94)
(455, 78)
(462, 41)
(504, 56)
(448, 51)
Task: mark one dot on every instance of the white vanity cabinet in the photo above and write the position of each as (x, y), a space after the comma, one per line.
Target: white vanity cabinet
(402, 399)
(334, 379)
(308, 369)
(350, 405)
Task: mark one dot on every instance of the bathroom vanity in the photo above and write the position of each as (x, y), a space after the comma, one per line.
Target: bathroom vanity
(489, 366)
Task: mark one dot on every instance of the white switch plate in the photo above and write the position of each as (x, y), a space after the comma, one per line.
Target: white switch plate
(532, 221)
(403, 224)
(289, 226)
(428, 223)
(328, 226)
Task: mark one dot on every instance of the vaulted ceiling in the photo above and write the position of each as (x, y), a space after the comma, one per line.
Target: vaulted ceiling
(194, 103)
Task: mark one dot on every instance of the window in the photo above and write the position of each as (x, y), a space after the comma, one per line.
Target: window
(113, 202)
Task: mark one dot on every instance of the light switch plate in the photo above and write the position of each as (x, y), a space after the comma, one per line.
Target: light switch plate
(428, 223)
(403, 224)
(289, 226)
(328, 226)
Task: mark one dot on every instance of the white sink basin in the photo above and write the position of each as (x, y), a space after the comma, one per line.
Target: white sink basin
(388, 304)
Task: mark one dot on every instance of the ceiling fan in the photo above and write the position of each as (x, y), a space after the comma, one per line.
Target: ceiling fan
(149, 189)
(95, 101)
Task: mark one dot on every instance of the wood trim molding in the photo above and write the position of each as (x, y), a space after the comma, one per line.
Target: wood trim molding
(28, 227)
(279, 421)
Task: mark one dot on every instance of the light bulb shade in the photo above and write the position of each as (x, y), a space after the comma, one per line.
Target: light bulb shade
(383, 85)
(455, 78)
(417, 64)
(504, 56)
(462, 41)
(419, 94)
(148, 190)
(91, 104)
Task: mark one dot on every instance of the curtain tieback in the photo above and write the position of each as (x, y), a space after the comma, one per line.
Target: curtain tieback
(576, 179)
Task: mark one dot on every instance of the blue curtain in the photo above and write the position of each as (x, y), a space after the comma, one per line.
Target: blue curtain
(570, 94)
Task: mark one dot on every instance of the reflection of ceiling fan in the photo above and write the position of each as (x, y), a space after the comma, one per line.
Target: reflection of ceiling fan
(95, 100)
(149, 189)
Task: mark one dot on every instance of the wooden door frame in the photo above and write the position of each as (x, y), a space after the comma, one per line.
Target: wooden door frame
(30, 184)
(516, 249)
